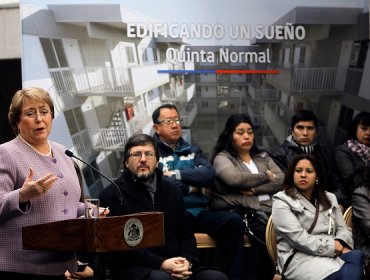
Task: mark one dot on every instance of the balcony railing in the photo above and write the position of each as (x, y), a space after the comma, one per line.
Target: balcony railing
(93, 81)
(306, 80)
(109, 139)
(314, 79)
(105, 81)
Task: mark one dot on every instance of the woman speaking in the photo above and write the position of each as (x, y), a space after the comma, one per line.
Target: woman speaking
(38, 184)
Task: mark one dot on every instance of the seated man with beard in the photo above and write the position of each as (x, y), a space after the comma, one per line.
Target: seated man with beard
(144, 188)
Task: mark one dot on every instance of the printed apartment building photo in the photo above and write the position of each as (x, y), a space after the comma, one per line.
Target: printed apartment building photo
(105, 85)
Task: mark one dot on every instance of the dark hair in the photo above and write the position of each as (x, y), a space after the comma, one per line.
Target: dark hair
(361, 118)
(319, 190)
(157, 111)
(139, 140)
(304, 116)
(225, 139)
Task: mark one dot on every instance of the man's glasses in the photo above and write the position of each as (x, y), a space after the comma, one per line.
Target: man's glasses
(138, 155)
(33, 114)
(168, 122)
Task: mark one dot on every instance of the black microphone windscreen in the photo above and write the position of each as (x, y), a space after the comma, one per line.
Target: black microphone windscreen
(69, 153)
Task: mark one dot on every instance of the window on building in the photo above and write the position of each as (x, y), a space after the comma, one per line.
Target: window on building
(75, 120)
(302, 55)
(56, 59)
(286, 57)
(155, 55)
(144, 55)
(54, 52)
(151, 96)
(130, 54)
(49, 53)
(345, 117)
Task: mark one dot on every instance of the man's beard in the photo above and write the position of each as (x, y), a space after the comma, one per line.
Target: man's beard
(144, 177)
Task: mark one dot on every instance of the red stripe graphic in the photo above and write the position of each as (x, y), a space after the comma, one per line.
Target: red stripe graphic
(247, 71)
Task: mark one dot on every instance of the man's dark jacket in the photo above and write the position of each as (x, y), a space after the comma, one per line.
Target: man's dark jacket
(179, 235)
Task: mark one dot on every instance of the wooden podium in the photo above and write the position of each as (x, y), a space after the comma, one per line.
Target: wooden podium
(138, 230)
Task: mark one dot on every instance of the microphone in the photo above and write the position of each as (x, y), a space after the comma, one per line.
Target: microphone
(71, 154)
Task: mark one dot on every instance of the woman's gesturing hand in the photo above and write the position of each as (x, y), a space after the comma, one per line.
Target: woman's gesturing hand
(32, 189)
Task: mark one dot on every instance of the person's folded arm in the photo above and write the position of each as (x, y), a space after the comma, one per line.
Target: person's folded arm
(275, 184)
(227, 172)
(201, 175)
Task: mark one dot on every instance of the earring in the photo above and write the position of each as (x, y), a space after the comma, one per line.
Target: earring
(317, 182)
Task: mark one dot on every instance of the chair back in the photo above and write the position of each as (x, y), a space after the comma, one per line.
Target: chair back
(271, 241)
(347, 216)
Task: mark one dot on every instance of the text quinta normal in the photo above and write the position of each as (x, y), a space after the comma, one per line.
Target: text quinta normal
(224, 55)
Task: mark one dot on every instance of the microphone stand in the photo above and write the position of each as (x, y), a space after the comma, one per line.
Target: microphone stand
(71, 154)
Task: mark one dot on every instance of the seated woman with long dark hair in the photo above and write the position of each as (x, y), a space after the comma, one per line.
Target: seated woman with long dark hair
(313, 241)
(246, 179)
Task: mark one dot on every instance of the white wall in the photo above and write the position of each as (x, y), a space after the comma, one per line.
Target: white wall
(73, 53)
(34, 66)
(10, 33)
(94, 53)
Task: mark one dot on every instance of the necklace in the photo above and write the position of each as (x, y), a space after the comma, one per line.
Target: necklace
(33, 148)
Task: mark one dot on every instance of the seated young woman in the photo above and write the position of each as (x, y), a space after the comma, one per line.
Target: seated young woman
(246, 179)
(313, 241)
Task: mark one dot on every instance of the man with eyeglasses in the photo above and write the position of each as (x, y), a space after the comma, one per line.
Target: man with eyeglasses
(185, 165)
(144, 189)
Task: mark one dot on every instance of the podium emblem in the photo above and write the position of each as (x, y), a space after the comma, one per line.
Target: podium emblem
(133, 232)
